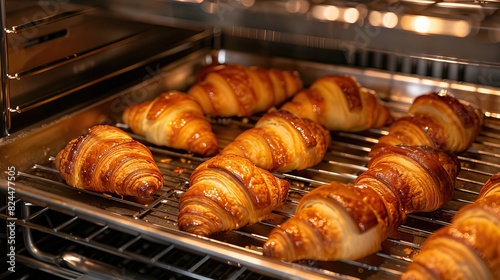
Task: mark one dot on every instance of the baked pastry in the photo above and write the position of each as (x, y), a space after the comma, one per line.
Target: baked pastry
(236, 90)
(350, 221)
(106, 159)
(340, 103)
(175, 120)
(228, 192)
(281, 142)
(468, 248)
(438, 120)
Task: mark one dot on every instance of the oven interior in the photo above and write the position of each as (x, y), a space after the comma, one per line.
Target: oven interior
(139, 50)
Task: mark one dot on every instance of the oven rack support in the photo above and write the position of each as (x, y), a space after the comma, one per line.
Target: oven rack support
(29, 88)
(4, 87)
(236, 260)
(6, 76)
(348, 147)
(39, 184)
(98, 269)
(365, 28)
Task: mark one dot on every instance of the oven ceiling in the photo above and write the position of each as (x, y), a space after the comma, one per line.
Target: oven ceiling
(412, 27)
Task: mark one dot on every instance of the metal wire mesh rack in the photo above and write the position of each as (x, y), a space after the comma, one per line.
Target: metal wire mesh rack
(74, 233)
(112, 247)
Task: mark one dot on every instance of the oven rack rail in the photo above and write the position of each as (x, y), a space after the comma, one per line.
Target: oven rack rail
(13, 107)
(309, 23)
(165, 256)
(122, 252)
(74, 62)
(344, 161)
(131, 251)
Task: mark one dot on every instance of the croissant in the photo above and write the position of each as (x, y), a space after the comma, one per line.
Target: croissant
(350, 221)
(438, 120)
(340, 103)
(228, 192)
(468, 248)
(106, 159)
(236, 90)
(175, 120)
(281, 142)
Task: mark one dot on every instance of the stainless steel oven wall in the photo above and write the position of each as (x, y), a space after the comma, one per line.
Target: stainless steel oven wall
(3, 67)
(399, 61)
(88, 218)
(452, 40)
(53, 49)
(56, 52)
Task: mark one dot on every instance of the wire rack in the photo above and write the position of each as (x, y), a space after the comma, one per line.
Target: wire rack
(120, 251)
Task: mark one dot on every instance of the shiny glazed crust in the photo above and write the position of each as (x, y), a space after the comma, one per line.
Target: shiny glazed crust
(469, 248)
(338, 221)
(228, 192)
(175, 120)
(340, 103)
(281, 142)
(108, 160)
(236, 90)
(438, 120)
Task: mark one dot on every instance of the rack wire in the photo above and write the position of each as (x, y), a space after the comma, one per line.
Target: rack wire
(120, 249)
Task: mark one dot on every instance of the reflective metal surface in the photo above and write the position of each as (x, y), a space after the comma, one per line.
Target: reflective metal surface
(87, 215)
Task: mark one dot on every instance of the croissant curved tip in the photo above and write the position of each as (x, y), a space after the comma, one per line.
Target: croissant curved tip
(278, 247)
(147, 188)
(206, 149)
(274, 250)
(491, 186)
(195, 225)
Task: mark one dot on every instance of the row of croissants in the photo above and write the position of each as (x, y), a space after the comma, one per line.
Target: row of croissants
(412, 169)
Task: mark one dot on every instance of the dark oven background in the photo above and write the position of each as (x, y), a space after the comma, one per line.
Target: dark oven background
(57, 54)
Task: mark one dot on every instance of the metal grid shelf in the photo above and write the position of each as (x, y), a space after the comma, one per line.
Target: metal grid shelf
(126, 236)
(122, 247)
(102, 251)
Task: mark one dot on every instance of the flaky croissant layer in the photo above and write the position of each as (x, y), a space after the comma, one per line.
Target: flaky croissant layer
(236, 90)
(340, 103)
(323, 228)
(342, 221)
(282, 142)
(175, 120)
(228, 192)
(106, 159)
(437, 120)
(468, 248)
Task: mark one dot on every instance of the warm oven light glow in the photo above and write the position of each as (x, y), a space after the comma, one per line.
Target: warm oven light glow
(434, 25)
(388, 19)
(318, 12)
(248, 3)
(422, 2)
(421, 24)
(331, 13)
(351, 15)
(334, 13)
(297, 6)
(375, 18)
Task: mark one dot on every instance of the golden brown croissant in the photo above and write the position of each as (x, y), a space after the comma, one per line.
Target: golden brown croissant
(350, 221)
(281, 142)
(106, 159)
(468, 248)
(437, 120)
(235, 90)
(228, 192)
(340, 103)
(175, 120)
